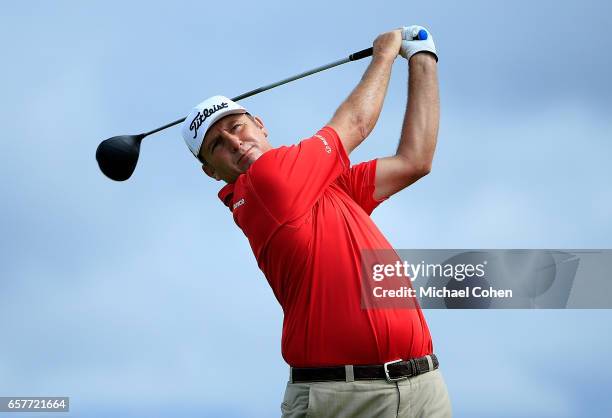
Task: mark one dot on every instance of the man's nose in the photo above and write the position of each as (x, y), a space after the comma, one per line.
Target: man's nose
(233, 142)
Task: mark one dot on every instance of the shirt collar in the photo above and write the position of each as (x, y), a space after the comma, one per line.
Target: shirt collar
(226, 194)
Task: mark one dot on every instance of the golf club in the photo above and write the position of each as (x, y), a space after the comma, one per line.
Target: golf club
(117, 156)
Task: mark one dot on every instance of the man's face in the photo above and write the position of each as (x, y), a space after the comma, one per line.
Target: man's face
(231, 145)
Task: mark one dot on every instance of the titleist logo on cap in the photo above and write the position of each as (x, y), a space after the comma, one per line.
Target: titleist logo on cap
(202, 115)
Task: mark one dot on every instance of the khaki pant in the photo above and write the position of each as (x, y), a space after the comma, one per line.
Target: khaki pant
(423, 396)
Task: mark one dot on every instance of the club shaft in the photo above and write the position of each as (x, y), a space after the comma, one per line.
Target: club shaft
(288, 80)
(353, 57)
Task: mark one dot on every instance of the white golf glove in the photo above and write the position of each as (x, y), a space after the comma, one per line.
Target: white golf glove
(416, 39)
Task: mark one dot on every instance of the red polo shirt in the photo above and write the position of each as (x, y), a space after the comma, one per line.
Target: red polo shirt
(306, 214)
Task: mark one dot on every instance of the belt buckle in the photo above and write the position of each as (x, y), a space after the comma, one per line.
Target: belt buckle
(386, 370)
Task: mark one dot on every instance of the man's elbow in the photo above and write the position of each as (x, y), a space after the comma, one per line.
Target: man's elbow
(414, 170)
(424, 169)
(418, 172)
(362, 126)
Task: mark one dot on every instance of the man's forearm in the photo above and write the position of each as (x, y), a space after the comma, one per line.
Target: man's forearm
(360, 111)
(366, 100)
(420, 127)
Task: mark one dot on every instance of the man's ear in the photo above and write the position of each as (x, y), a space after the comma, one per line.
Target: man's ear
(210, 171)
(260, 125)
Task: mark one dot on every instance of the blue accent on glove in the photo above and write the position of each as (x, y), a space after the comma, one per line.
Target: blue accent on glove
(422, 35)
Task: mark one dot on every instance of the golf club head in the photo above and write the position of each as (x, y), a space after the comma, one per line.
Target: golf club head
(117, 156)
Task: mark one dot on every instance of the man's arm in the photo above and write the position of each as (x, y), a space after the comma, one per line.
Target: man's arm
(357, 115)
(419, 131)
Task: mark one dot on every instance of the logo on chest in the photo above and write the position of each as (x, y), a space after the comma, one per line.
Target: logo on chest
(238, 204)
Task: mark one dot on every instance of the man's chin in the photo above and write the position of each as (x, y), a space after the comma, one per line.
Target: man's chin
(244, 166)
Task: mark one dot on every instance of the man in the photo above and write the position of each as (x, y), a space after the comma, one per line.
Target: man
(305, 212)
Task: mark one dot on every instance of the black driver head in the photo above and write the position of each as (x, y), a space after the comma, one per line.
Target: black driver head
(117, 156)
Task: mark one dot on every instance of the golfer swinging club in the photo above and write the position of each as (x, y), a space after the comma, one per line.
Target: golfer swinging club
(305, 211)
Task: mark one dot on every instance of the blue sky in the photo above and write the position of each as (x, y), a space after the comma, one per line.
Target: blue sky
(141, 297)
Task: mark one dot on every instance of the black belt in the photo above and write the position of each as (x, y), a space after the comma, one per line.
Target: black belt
(391, 371)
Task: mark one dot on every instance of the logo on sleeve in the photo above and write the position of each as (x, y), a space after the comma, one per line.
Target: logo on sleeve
(327, 147)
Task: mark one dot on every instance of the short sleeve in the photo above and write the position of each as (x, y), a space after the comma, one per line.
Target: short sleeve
(360, 182)
(289, 180)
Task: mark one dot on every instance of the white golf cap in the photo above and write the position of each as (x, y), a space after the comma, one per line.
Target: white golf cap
(203, 116)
